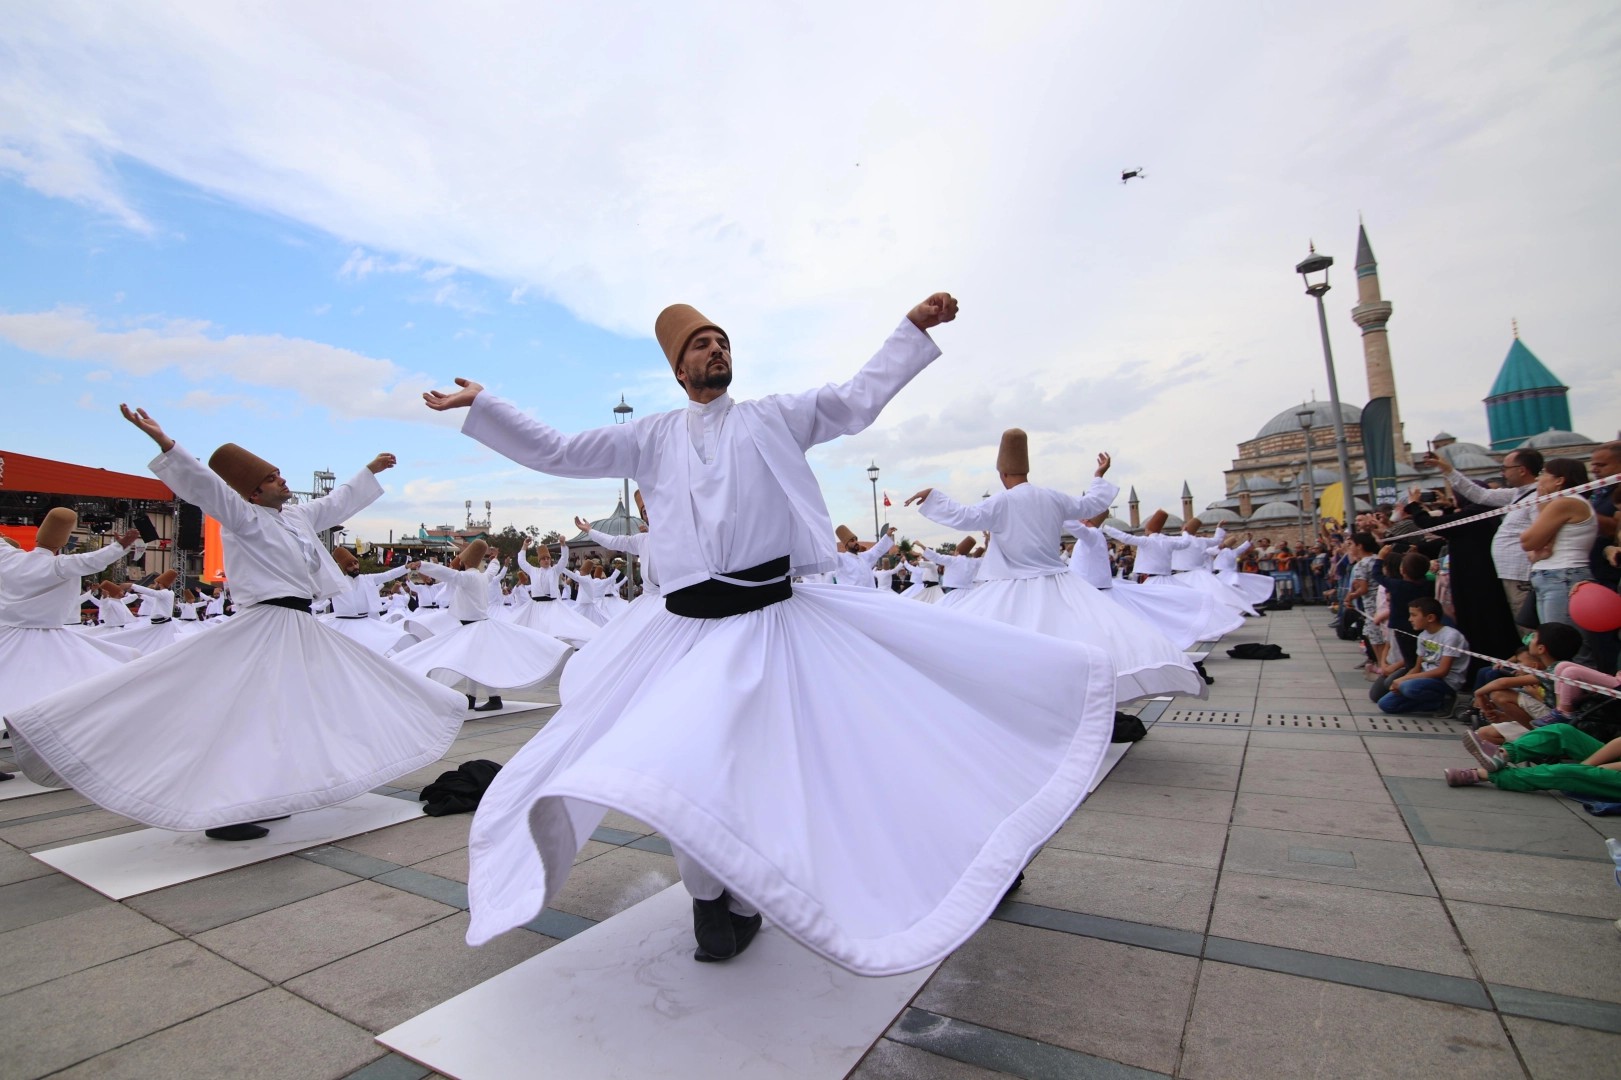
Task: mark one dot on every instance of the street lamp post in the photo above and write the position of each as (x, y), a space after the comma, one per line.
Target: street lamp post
(622, 415)
(1307, 415)
(1312, 265)
(872, 474)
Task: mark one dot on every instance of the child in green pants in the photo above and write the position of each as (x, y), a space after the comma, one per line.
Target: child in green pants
(1557, 757)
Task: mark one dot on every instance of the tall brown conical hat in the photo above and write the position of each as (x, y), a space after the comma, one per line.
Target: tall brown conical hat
(166, 579)
(345, 559)
(1013, 456)
(674, 328)
(965, 545)
(1192, 526)
(112, 590)
(242, 470)
(54, 531)
(844, 534)
(473, 554)
(1156, 521)
(641, 507)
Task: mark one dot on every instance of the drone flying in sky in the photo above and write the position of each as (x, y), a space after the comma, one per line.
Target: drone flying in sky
(1133, 174)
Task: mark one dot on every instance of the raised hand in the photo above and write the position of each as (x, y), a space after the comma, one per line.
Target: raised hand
(937, 309)
(1104, 461)
(582, 524)
(129, 539)
(440, 401)
(919, 497)
(140, 419)
(381, 462)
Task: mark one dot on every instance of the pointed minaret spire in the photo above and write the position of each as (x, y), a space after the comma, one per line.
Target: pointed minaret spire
(1515, 323)
(1364, 250)
(1371, 313)
(1136, 514)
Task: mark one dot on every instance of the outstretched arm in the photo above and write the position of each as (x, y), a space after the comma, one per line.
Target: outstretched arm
(1099, 494)
(504, 428)
(987, 516)
(883, 547)
(1123, 537)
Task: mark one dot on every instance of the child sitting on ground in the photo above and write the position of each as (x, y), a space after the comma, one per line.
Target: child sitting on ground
(1439, 672)
(1519, 701)
(1557, 757)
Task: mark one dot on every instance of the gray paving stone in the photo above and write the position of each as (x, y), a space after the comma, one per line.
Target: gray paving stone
(1419, 766)
(1540, 950)
(389, 983)
(608, 884)
(44, 803)
(1196, 733)
(889, 1060)
(1248, 1024)
(44, 951)
(294, 939)
(1158, 839)
(391, 1067)
(1560, 1052)
(452, 865)
(1380, 864)
(1204, 753)
(41, 899)
(1530, 835)
(195, 906)
(1351, 786)
(1025, 981)
(613, 819)
(1306, 740)
(413, 841)
(1572, 886)
(1360, 924)
(1334, 817)
(1175, 774)
(69, 828)
(269, 1036)
(444, 890)
(1163, 894)
(87, 1013)
(1481, 799)
(1391, 744)
(500, 755)
(1159, 800)
(18, 866)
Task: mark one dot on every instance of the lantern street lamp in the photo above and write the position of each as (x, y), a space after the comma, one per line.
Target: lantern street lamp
(1309, 269)
(622, 415)
(872, 474)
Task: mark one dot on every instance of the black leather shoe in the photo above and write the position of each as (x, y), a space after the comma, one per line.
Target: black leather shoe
(744, 927)
(492, 705)
(237, 832)
(6, 776)
(1011, 889)
(712, 927)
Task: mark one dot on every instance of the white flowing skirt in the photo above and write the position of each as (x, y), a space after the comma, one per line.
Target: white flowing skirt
(1254, 588)
(487, 656)
(36, 662)
(1061, 605)
(284, 715)
(145, 636)
(923, 593)
(425, 623)
(380, 637)
(1202, 581)
(557, 619)
(871, 793)
(1185, 616)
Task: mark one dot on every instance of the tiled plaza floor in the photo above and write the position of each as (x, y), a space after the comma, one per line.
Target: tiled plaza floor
(1276, 882)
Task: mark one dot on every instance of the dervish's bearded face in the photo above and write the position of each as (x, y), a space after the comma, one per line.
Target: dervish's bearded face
(707, 362)
(273, 492)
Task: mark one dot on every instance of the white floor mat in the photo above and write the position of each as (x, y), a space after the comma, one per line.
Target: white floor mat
(625, 999)
(19, 786)
(1117, 750)
(508, 708)
(137, 862)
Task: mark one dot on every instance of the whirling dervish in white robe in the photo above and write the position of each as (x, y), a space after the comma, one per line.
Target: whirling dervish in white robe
(354, 610)
(957, 572)
(41, 651)
(1190, 567)
(1253, 588)
(742, 720)
(541, 608)
(112, 600)
(156, 628)
(856, 567)
(482, 656)
(1024, 581)
(1183, 616)
(296, 716)
(925, 582)
(1154, 554)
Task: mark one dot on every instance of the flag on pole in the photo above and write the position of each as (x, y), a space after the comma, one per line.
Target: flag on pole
(886, 499)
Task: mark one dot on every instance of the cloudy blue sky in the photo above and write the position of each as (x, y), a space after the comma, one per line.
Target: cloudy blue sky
(278, 224)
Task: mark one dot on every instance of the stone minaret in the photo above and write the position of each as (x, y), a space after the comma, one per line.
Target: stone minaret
(1371, 313)
(1136, 513)
(1187, 501)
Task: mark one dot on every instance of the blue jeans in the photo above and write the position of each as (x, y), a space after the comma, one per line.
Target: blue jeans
(1417, 695)
(1552, 589)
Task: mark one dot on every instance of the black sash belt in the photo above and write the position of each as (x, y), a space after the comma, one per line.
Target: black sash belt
(160, 621)
(538, 599)
(931, 584)
(715, 599)
(292, 603)
(354, 616)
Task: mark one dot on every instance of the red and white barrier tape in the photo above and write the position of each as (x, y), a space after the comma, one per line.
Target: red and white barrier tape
(1535, 500)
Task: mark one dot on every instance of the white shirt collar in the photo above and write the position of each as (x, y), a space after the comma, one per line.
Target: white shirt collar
(720, 404)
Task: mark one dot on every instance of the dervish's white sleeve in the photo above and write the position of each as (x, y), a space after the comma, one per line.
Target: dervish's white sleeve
(877, 551)
(935, 557)
(525, 565)
(494, 569)
(437, 572)
(631, 544)
(345, 501)
(587, 455)
(1241, 548)
(1099, 494)
(816, 416)
(201, 486)
(1125, 538)
(1216, 538)
(86, 563)
(386, 576)
(989, 515)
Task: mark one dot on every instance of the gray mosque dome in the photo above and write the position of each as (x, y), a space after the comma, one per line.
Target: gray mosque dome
(1275, 511)
(1286, 422)
(1118, 525)
(1553, 438)
(1217, 515)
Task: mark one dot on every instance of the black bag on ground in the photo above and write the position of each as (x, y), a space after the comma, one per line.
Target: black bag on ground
(1127, 728)
(1598, 715)
(1254, 650)
(459, 791)
(1348, 627)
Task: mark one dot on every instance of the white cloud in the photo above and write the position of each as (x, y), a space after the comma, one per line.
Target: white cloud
(566, 154)
(340, 380)
(321, 309)
(438, 273)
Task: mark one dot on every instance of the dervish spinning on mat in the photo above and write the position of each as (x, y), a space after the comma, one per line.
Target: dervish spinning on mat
(809, 751)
